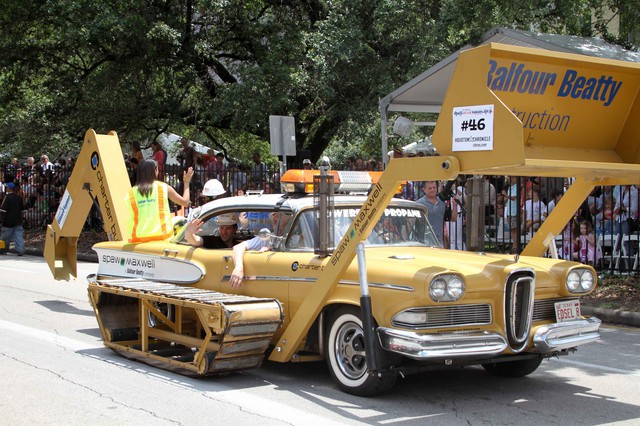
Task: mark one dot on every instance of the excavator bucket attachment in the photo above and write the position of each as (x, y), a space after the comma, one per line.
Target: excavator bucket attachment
(553, 114)
(61, 255)
(98, 176)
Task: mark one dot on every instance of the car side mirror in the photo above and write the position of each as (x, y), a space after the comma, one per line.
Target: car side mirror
(275, 241)
(264, 234)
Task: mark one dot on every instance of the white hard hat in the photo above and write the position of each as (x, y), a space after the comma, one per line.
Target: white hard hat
(213, 188)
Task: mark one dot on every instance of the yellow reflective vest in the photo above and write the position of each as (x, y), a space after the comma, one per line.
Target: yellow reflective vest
(150, 217)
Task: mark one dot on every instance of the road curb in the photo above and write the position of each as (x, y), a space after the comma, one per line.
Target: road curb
(614, 316)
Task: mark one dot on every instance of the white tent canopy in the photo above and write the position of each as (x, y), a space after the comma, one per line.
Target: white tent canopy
(422, 146)
(170, 142)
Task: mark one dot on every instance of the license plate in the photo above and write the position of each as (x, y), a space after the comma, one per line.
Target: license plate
(567, 311)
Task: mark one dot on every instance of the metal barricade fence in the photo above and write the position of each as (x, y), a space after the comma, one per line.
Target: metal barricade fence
(506, 230)
(608, 241)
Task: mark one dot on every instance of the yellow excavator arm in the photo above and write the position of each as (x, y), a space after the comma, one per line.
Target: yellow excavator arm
(99, 174)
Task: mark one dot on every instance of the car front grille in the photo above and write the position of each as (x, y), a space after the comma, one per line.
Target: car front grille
(450, 316)
(518, 306)
(544, 310)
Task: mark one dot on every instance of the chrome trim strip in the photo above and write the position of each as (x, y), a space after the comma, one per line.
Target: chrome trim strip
(436, 346)
(565, 335)
(380, 285)
(272, 278)
(312, 280)
(521, 270)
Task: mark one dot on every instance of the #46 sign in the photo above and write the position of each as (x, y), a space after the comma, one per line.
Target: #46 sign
(473, 128)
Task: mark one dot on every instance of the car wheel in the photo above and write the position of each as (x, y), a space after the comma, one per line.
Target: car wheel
(347, 358)
(518, 368)
(166, 309)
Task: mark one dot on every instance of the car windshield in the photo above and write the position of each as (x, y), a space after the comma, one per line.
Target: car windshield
(398, 226)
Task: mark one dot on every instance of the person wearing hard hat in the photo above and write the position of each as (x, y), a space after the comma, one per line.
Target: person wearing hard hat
(227, 227)
(214, 189)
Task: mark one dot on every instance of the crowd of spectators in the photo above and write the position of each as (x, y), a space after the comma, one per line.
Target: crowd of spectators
(235, 178)
(515, 207)
(40, 185)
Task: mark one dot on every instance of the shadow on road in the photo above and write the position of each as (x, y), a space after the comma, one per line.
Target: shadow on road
(448, 396)
(64, 307)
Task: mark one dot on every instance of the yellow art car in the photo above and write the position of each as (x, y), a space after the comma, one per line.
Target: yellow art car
(360, 280)
(430, 306)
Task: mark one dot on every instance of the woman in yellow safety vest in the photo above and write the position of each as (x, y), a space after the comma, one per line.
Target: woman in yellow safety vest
(148, 201)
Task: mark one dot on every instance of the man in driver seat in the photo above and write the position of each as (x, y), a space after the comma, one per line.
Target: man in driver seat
(227, 226)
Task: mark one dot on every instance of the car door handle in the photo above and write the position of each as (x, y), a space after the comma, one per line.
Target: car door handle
(167, 252)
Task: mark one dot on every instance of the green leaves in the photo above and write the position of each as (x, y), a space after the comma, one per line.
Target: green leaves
(215, 70)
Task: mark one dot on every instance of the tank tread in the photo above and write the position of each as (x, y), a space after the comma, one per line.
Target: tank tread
(212, 332)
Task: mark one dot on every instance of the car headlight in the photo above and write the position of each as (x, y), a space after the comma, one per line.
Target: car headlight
(446, 288)
(437, 289)
(580, 280)
(573, 281)
(455, 289)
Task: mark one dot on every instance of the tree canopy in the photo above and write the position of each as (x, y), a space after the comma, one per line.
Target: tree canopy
(215, 70)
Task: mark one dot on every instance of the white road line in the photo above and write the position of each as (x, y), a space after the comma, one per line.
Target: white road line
(238, 397)
(65, 342)
(30, 271)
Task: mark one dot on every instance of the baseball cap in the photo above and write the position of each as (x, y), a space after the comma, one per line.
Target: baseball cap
(10, 185)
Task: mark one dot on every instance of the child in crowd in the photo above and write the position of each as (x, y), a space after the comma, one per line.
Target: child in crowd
(585, 245)
(569, 234)
(605, 217)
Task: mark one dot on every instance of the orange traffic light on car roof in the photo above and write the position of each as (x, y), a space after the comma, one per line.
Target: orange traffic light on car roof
(301, 181)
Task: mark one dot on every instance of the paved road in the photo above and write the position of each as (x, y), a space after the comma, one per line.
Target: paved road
(54, 369)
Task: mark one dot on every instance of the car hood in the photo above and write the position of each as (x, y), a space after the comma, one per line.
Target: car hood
(489, 272)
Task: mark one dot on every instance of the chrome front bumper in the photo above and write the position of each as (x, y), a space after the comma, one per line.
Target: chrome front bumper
(564, 335)
(475, 344)
(478, 344)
